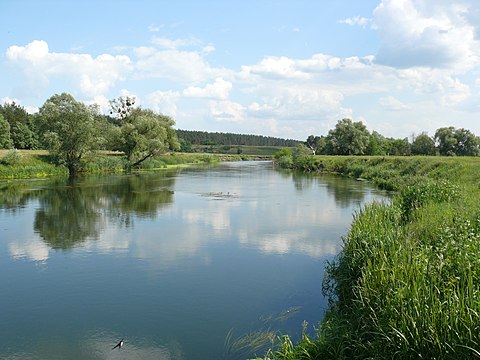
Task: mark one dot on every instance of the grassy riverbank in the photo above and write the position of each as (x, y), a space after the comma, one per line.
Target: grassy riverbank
(23, 164)
(407, 282)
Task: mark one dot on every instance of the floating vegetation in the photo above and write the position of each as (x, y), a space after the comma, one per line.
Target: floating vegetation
(246, 346)
(281, 316)
(219, 195)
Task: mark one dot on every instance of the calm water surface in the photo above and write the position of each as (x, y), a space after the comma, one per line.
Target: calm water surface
(199, 263)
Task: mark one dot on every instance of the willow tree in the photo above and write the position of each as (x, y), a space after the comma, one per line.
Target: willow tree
(145, 134)
(348, 138)
(68, 130)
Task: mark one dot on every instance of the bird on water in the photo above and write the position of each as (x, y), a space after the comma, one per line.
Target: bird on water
(119, 345)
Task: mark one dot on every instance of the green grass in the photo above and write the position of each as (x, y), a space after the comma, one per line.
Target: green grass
(407, 282)
(16, 164)
(20, 164)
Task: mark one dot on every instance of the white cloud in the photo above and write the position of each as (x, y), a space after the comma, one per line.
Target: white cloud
(93, 76)
(391, 103)
(276, 68)
(28, 109)
(356, 21)
(220, 89)
(187, 67)
(228, 111)
(426, 33)
(163, 102)
(154, 28)
(428, 56)
(297, 102)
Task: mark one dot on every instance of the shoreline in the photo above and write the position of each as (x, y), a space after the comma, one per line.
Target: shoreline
(407, 281)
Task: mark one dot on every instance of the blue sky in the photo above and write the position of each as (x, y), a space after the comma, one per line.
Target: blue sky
(278, 68)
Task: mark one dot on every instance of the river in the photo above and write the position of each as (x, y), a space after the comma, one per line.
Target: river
(205, 262)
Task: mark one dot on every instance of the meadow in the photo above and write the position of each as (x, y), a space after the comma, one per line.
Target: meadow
(406, 284)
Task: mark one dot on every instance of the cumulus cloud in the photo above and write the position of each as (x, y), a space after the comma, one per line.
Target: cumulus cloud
(277, 68)
(187, 67)
(220, 89)
(93, 76)
(164, 102)
(426, 33)
(228, 111)
(296, 103)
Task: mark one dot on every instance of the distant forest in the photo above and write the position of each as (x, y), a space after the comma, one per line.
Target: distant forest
(193, 137)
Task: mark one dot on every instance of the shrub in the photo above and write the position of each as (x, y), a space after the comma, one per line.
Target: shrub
(13, 157)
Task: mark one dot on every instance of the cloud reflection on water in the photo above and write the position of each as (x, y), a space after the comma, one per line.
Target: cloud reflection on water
(163, 218)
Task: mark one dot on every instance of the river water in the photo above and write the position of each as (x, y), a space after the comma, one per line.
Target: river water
(196, 263)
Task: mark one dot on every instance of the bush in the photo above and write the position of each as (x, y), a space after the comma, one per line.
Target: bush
(13, 157)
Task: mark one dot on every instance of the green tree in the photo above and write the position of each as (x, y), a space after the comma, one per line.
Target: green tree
(423, 145)
(21, 126)
(145, 134)
(377, 144)
(467, 143)
(446, 141)
(348, 138)
(68, 130)
(399, 147)
(185, 146)
(5, 141)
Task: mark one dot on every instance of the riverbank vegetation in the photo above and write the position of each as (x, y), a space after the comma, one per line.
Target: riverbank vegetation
(407, 283)
(25, 164)
(80, 139)
(353, 138)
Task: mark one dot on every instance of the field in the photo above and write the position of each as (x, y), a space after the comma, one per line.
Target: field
(407, 282)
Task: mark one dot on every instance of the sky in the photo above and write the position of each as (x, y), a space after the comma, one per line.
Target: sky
(282, 68)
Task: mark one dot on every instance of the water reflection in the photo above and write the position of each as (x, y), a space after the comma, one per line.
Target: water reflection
(92, 212)
(98, 346)
(345, 192)
(70, 213)
(163, 257)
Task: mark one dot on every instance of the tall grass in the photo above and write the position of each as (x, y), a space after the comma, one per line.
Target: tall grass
(407, 283)
(15, 164)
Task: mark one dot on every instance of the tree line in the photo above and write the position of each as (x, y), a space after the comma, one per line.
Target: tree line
(70, 130)
(353, 138)
(188, 138)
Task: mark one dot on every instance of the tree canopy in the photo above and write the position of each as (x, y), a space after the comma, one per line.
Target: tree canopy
(67, 129)
(5, 141)
(462, 142)
(22, 130)
(423, 145)
(145, 134)
(348, 138)
(353, 138)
